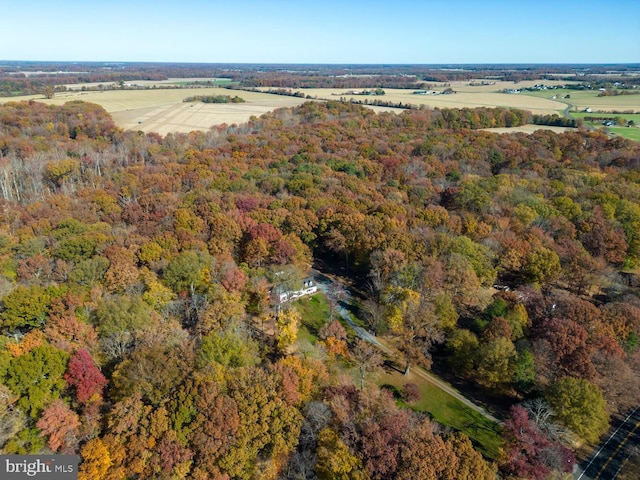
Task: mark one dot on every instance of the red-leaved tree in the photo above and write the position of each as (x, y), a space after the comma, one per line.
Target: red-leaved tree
(530, 453)
(83, 374)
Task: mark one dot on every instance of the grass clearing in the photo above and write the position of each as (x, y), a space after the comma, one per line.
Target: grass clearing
(304, 335)
(314, 312)
(450, 412)
(631, 133)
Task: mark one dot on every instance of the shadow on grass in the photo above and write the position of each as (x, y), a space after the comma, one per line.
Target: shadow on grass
(395, 391)
(390, 365)
(447, 411)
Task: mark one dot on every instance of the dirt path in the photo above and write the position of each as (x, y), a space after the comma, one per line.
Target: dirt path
(324, 282)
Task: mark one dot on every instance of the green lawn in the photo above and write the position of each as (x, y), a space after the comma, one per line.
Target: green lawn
(314, 312)
(626, 132)
(304, 335)
(450, 412)
(632, 133)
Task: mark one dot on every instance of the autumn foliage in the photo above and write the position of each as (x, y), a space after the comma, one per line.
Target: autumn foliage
(84, 376)
(141, 324)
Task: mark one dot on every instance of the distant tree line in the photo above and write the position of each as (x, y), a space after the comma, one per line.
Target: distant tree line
(556, 121)
(287, 92)
(298, 80)
(214, 99)
(615, 93)
(619, 121)
(18, 78)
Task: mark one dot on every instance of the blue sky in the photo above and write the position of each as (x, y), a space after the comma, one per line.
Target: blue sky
(329, 31)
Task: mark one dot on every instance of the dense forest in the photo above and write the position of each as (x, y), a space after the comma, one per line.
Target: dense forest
(138, 327)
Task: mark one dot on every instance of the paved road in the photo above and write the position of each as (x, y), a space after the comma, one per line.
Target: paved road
(610, 457)
(324, 282)
(567, 110)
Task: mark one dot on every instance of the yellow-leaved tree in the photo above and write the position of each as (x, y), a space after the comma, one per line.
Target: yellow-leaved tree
(287, 329)
(96, 460)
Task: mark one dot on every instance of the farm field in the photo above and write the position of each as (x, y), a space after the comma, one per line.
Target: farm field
(632, 133)
(471, 99)
(163, 111)
(582, 99)
(494, 87)
(151, 83)
(627, 116)
(529, 128)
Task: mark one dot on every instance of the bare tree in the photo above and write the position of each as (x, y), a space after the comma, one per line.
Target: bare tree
(317, 415)
(302, 465)
(368, 358)
(12, 420)
(373, 314)
(544, 417)
(335, 294)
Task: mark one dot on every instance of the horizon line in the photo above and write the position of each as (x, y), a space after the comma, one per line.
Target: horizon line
(632, 64)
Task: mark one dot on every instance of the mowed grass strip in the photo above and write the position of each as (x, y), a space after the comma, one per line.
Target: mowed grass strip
(449, 411)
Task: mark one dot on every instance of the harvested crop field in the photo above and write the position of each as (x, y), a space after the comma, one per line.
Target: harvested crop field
(163, 110)
(528, 129)
(461, 99)
(186, 117)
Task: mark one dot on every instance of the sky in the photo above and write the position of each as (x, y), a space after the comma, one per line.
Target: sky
(327, 31)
